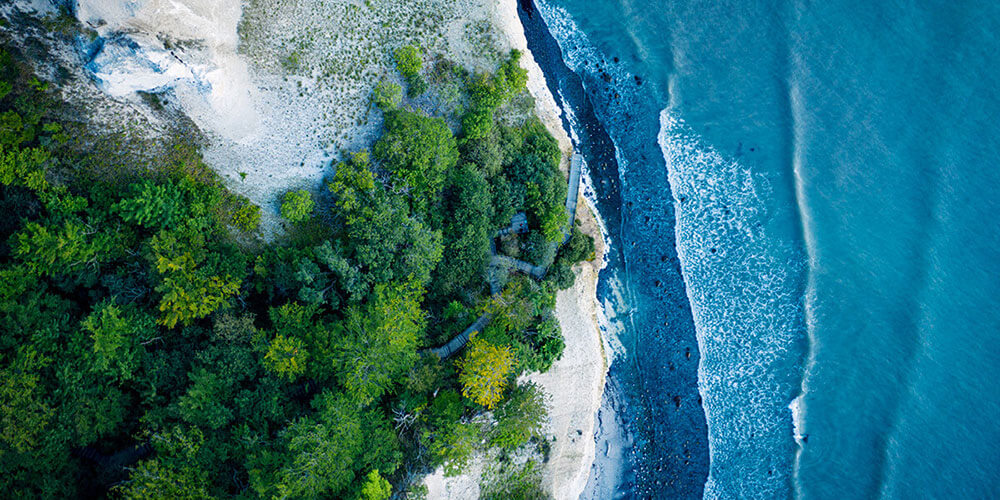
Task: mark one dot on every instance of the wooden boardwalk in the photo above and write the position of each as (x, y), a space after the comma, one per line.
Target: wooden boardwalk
(458, 342)
(573, 193)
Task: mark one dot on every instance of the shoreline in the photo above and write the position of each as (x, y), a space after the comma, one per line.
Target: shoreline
(575, 383)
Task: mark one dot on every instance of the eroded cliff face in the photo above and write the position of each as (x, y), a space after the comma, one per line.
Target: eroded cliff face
(188, 47)
(278, 88)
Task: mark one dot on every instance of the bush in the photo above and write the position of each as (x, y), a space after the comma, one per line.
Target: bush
(415, 86)
(297, 206)
(520, 417)
(409, 60)
(246, 216)
(516, 483)
(580, 247)
(489, 92)
(387, 95)
(561, 275)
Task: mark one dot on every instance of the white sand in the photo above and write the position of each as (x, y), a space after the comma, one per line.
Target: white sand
(575, 385)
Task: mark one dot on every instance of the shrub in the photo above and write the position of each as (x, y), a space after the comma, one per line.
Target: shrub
(387, 95)
(246, 216)
(489, 92)
(375, 487)
(153, 206)
(409, 60)
(520, 417)
(297, 206)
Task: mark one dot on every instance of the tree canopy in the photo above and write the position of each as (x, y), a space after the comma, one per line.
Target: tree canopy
(418, 150)
(155, 346)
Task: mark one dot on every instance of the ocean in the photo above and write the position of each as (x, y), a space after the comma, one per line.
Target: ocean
(804, 268)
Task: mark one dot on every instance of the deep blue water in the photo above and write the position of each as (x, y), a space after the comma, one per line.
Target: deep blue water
(801, 208)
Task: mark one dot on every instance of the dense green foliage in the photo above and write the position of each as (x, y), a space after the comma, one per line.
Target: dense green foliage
(418, 151)
(297, 206)
(151, 347)
(387, 95)
(580, 247)
(409, 62)
(488, 92)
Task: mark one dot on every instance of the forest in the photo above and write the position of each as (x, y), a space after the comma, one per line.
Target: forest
(153, 345)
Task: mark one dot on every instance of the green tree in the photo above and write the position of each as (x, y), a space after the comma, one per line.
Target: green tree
(154, 206)
(375, 487)
(204, 403)
(381, 238)
(580, 247)
(24, 412)
(188, 289)
(24, 167)
(177, 471)
(246, 216)
(466, 232)
(12, 130)
(324, 272)
(547, 207)
(418, 150)
(409, 62)
(353, 186)
(380, 340)
(519, 417)
(455, 445)
(154, 480)
(61, 248)
(321, 452)
(286, 356)
(88, 405)
(117, 334)
(297, 206)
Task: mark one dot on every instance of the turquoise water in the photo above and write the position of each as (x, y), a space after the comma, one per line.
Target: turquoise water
(831, 177)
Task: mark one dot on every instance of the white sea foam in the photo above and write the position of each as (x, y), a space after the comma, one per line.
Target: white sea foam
(742, 284)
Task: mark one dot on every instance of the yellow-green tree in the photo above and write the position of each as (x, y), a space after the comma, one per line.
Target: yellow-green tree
(188, 289)
(375, 487)
(297, 206)
(485, 369)
(287, 357)
(380, 340)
